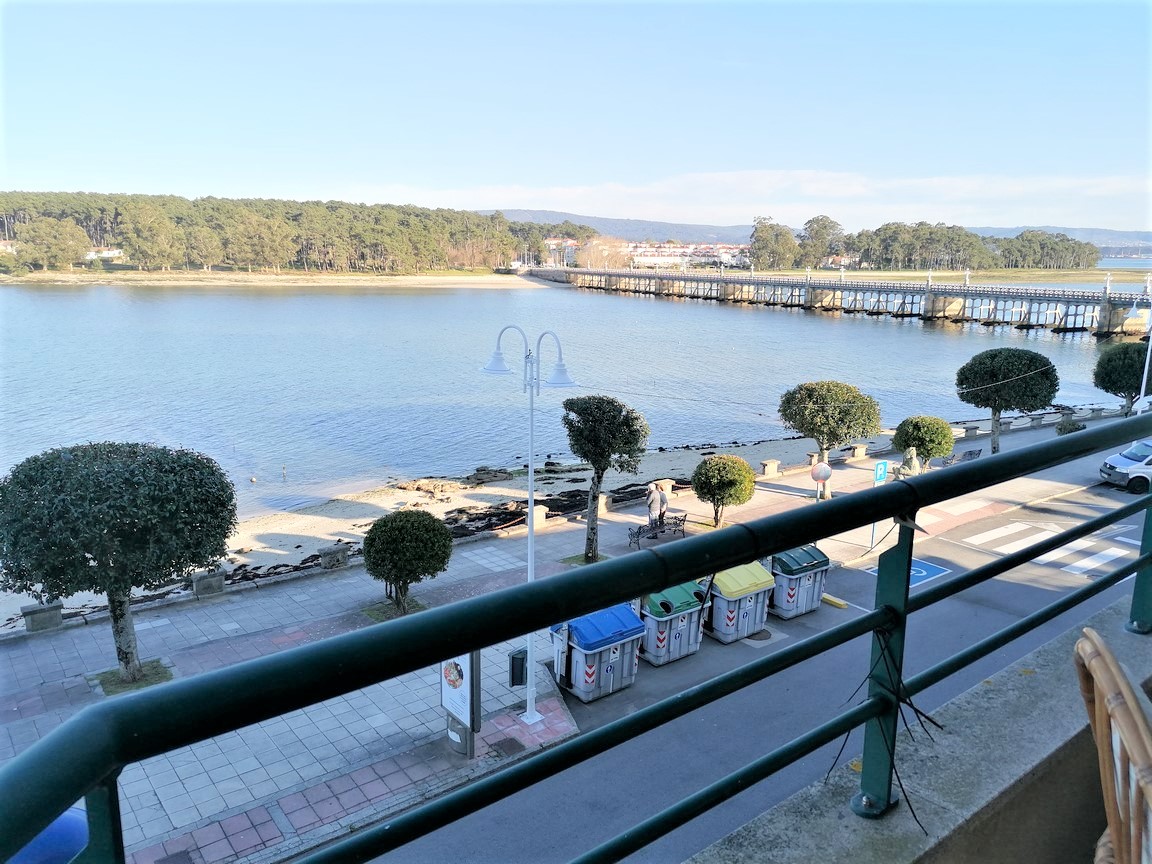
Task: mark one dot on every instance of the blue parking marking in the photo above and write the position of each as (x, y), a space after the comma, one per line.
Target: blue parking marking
(921, 571)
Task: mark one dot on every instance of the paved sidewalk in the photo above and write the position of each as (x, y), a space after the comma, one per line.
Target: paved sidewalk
(275, 789)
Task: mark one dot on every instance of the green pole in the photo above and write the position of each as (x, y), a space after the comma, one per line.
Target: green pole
(105, 837)
(876, 797)
(1140, 617)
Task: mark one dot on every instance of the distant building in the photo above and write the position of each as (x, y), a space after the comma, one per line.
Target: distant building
(561, 251)
(104, 253)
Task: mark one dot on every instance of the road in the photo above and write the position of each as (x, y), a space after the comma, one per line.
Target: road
(563, 817)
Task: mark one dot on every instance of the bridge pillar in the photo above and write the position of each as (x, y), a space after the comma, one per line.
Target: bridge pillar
(941, 306)
(824, 298)
(1113, 318)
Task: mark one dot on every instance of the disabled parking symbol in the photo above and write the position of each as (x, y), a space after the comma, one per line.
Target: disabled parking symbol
(920, 571)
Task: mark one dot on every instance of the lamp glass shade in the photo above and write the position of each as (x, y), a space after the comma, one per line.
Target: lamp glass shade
(497, 366)
(560, 377)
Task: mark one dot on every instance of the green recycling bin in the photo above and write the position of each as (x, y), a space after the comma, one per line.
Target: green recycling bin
(673, 624)
(800, 575)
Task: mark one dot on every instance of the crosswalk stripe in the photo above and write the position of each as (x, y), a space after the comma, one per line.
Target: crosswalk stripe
(1063, 551)
(1093, 561)
(1031, 539)
(996, 534)
(1135, 541)
(960, 506)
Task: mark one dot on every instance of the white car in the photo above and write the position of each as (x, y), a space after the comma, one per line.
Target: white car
(1131, 469)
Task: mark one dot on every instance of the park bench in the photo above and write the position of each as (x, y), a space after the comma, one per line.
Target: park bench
(671, 523)
(966, 456)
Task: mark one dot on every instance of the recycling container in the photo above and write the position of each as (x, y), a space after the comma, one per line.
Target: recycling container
(739, 602)
(672, 623)
(598, 654)
(800, 575)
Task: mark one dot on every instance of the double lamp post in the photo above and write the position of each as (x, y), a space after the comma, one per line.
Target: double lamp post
(531, 385)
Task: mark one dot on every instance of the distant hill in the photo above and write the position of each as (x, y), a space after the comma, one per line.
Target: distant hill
(637, 230)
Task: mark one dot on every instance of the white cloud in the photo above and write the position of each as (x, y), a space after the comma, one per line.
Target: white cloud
(792, 197)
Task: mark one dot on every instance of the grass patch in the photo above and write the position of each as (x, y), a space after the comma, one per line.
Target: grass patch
(386, 610)
(155, 672)
(579, 559)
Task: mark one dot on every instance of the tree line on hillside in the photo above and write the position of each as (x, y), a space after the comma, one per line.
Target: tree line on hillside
(160, 232)
(922, 246)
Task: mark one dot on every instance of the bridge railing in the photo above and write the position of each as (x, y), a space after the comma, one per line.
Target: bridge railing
(84, 756)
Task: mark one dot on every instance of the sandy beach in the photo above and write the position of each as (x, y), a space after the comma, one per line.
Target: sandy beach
(285, 541)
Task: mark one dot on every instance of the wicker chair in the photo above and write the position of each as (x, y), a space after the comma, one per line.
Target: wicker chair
(1123, 748)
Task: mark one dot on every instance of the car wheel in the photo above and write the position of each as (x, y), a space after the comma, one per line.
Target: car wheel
(1138, 485)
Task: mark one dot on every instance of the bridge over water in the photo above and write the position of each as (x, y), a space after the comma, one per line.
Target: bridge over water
(1103, 312)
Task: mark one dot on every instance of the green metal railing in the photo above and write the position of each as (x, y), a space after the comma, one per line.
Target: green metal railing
(83, 757)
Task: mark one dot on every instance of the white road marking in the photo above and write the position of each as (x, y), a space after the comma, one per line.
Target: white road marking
(1030, 540)
(995, 534)
(1094, 561)
(1063, 551)
(960, 506)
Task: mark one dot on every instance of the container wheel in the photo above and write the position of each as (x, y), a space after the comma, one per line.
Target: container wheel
(1138, 485)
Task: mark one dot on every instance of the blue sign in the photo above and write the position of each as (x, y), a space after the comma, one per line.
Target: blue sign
(921, 571)
(881, 471)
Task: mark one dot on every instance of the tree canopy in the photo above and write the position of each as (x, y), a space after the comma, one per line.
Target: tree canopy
(830, 413)
(108, 518)
(404, 548)
(723, 480)
(772, 246)
(1007, 379)
(605, 433)
(1119, 370)
(931, 436)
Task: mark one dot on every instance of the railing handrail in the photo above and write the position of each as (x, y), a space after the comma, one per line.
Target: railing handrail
(93, 746)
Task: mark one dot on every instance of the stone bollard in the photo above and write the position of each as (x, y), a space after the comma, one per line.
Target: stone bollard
(857, 451)
(1037, 421)
(208, 582)
(42, 616)
(333, 556)
(1096, 414)
(971, 431)
(813, 458)
(1006, 425)
(770, 467)
(601, 504)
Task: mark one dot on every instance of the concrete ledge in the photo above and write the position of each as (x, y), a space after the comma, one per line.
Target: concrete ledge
(1012, 777)
(43, 616)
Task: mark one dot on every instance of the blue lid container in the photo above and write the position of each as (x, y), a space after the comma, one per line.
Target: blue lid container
(606, 627)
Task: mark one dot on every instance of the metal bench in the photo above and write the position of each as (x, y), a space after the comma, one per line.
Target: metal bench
(966, 456)
(651, 529)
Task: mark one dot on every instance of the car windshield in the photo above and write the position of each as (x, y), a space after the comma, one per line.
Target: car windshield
(1138, 452)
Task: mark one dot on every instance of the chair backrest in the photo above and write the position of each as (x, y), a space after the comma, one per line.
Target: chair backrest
(1123, 747)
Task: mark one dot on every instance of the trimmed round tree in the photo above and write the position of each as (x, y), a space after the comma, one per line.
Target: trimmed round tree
(722, 480)
(1007, 379)
(404, 548)
(108, 518)
(931, 436)
(605, 433)
(1120, 371)
(830, 413)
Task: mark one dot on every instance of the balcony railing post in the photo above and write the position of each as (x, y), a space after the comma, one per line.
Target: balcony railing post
(1140, 616)
(105, 833)
(885, 678)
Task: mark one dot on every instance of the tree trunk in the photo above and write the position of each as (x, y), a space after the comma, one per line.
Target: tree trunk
(124, 635)
(592, 536)
(717, 514)
(995, 431)
(401, 598)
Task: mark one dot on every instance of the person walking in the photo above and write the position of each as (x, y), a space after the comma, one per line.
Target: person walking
(663, 505)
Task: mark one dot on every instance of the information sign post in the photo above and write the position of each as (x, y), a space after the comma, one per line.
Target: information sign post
(460, 698)
(878, 478)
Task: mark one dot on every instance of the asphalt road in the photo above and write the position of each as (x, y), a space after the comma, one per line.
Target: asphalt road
(564, 817)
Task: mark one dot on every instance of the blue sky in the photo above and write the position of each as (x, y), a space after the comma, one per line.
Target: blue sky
(978, 114)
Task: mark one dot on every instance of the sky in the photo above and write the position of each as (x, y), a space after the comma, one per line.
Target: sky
(978, 113)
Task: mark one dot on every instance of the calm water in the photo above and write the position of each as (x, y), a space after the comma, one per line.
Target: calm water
(313, 392)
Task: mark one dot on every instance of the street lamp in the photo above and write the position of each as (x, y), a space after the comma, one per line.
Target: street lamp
(532, 384)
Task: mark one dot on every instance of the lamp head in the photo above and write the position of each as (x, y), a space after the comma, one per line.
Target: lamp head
(559, 377)
(497, 366)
